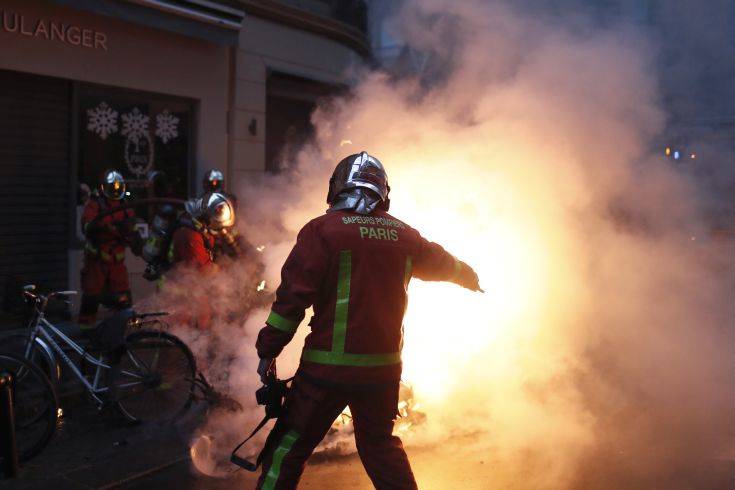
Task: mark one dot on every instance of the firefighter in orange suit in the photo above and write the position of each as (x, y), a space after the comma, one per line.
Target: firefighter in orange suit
(104, 277)
(353, 265)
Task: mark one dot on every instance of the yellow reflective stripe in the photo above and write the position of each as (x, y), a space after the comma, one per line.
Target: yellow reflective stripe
(281, 323)
(275, 470)
(347, 359)
(457, 270)
(337, 356)
(343, 300)
(118, 257)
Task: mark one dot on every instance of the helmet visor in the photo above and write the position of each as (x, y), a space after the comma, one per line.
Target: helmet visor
(115, 189)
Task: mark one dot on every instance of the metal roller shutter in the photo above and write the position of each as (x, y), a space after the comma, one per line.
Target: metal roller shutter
(34, 181)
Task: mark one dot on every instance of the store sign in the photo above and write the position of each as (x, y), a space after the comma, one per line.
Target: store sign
(52, 30)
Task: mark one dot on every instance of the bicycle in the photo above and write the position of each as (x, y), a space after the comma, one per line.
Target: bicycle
(35, 405)
(146, 375)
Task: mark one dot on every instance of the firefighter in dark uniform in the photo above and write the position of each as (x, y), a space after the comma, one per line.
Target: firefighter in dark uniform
(353, 265)
(104, 277)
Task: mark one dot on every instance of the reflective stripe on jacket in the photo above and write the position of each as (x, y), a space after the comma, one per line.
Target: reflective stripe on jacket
(354, 270)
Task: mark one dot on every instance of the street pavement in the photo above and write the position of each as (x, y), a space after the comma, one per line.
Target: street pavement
(93, 452)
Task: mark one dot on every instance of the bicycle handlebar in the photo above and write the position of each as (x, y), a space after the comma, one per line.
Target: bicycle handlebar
(41, 300)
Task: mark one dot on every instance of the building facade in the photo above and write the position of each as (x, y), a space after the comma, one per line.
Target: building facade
(178, 86)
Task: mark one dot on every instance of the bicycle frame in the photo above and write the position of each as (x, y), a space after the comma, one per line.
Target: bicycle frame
(46, 330)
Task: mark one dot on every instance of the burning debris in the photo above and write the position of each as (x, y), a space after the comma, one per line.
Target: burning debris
(340, 438)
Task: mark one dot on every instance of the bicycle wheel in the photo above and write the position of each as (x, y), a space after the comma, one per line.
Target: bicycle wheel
(155, 382)
(35, 404)
(17, 343)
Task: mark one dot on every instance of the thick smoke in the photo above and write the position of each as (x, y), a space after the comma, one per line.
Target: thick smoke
(600, 355)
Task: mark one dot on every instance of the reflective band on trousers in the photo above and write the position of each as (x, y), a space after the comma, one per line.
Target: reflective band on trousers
(337, 356)
(105, 256)
(275, 470)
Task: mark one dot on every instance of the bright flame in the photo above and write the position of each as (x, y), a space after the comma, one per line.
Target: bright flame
(505, 250)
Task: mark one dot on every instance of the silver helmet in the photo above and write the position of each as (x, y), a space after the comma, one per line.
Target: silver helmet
(359, 183)
(359, 171)
(214, 211)
(214, 181)
(113, 185)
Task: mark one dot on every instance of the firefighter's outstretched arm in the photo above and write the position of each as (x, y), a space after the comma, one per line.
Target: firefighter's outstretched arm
(301, 275)
(433, 263)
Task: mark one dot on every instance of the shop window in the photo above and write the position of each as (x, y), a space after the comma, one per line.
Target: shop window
(136, 133)
(290, 102)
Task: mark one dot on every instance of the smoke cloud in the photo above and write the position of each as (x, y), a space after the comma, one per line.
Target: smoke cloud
(600, 356)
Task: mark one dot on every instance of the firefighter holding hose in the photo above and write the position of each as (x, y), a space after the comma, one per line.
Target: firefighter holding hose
(352, 265)
(104, 276)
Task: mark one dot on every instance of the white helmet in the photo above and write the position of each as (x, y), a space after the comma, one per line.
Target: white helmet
(213, 211)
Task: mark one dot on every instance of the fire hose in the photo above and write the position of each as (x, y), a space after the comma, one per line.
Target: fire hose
(139, 202)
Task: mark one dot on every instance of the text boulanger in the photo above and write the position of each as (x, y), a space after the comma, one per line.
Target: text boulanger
(51, 30)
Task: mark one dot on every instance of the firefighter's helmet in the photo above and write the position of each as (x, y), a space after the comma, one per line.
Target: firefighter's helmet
(359, 171)
(213, 211)
(214, 181)
(113, 185)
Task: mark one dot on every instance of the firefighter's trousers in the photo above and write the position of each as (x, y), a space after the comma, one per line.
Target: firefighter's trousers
(311, 409)
(105, 282)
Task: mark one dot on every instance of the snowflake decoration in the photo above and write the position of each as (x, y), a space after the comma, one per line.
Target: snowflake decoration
(167, 126)
(102, 120)
(135, 125)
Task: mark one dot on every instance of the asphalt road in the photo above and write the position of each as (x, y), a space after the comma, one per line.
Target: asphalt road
(92, 452)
